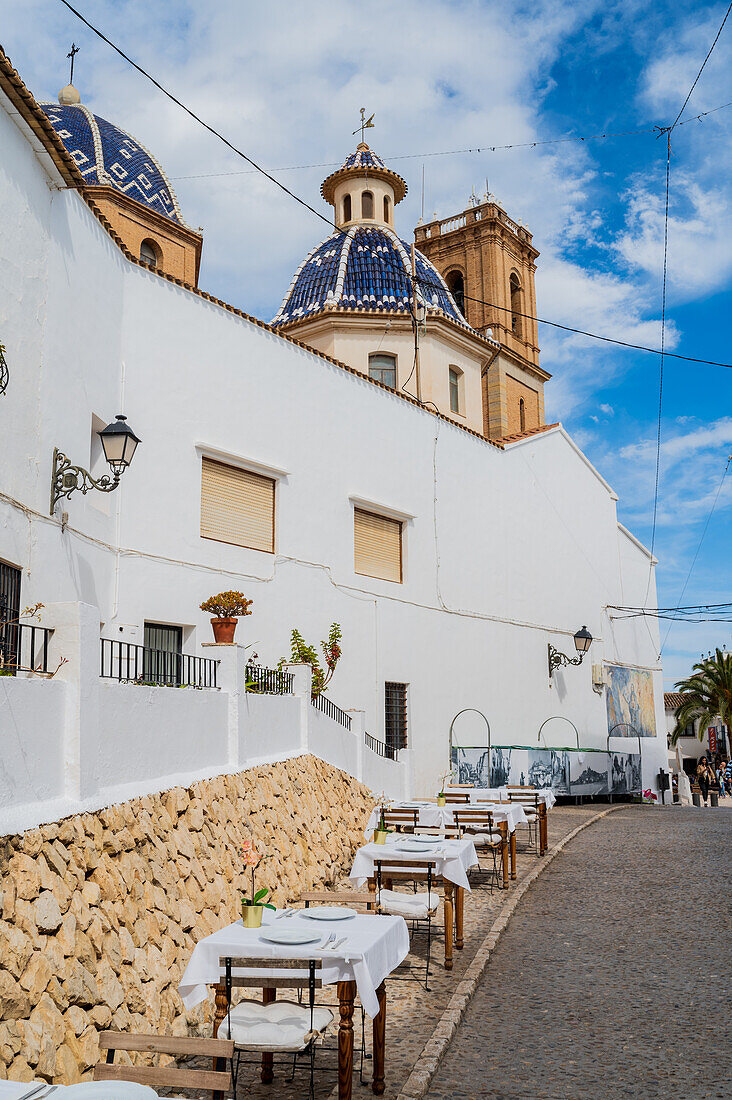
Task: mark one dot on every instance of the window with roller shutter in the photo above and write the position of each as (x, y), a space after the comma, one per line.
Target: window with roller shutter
(237, 506)
(377, 546)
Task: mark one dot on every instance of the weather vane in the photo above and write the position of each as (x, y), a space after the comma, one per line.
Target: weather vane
(72, 54)
(366, 123)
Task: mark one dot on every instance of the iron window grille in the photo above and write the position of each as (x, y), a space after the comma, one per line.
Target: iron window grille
(395, 717)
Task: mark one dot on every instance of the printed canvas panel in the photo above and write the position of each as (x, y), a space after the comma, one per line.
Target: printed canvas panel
(625, 772)
(589, 773)
(629, 698)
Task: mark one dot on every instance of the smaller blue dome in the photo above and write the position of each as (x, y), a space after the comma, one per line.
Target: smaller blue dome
(107, 155)
(363, 158)
(365, 269)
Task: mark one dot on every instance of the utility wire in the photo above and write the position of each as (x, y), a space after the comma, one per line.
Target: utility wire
(696, 78)
(696, 554)
(302, 202)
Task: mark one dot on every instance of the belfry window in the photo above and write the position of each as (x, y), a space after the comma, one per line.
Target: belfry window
(367, 205)
(383, 369)
(387, 212)
(456, 286)
(346, 208)
(150, 253)
(516, 309)
(522, 414)
(455, 378)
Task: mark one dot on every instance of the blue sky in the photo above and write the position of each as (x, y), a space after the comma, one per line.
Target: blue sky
(286, 81)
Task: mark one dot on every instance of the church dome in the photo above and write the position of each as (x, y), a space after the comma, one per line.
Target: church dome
(365, 269)
(108, 156)
(363, 163)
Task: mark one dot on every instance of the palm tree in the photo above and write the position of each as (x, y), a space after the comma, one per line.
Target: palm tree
(707, 694)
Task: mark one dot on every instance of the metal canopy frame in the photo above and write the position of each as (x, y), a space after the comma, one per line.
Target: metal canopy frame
(559, 718)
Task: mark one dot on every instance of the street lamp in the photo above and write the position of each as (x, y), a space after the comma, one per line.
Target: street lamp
(119, 443)
(582, 642)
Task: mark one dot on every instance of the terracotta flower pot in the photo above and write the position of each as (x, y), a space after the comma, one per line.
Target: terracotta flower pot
(223, 629)
(251, 915)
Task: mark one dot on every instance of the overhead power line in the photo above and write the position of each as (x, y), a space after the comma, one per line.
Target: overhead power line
(701, 70)
(424, 284)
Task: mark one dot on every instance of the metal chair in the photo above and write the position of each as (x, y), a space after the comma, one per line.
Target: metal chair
(418, 908)
(203, 1081)
(477, 823)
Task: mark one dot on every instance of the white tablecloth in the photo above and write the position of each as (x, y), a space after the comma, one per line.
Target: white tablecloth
(94, 1090)
(512, 812)
(431, 816)
(547, 796)
(375, 946)
(453, 858)
(493, 794)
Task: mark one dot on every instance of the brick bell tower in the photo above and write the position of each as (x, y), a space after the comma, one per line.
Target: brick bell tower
(483, 254)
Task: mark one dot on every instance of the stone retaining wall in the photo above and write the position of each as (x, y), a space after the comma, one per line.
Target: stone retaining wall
(100, 912)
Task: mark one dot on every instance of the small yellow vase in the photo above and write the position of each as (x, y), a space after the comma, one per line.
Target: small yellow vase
(441, 800)
(251, 915)
(380, 836)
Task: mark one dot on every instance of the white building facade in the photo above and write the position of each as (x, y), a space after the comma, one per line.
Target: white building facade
(504, 548)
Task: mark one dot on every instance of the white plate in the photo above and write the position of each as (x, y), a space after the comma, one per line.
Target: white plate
(330, 912)
(289, 936)
(415, 849)
(431, 840)
(107, 1090)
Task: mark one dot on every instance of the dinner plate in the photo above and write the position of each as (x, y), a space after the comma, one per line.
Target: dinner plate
(330, 912)
(429, 840)
(289, 936)
(415, 849)
(107, 1090)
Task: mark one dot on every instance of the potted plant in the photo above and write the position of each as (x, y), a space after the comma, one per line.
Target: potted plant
(441, 798)
(253, 907)
(226, 608)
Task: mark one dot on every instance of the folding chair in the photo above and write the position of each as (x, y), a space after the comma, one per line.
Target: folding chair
(534, 809)
(477, 823)
(418, 907)
(202, 1080)
(269, 1026)
(402, 821)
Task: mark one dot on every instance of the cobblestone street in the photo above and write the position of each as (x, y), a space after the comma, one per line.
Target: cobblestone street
(612, 978)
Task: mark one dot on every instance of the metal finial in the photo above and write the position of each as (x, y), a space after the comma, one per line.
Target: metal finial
(72, 54)
(366, 124)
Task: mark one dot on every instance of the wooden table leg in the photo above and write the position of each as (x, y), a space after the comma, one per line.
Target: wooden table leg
(379, 1042)
(346, 996)
(221, 1008)
(504, 853)
(448, 923)
(512, 847)
(459, 914)
(267, 1074)
(543, 829)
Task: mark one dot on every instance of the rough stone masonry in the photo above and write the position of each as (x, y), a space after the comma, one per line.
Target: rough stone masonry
(100, 911)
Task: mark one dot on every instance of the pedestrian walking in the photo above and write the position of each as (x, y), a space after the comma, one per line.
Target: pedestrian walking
(703, 777)
(724, 787)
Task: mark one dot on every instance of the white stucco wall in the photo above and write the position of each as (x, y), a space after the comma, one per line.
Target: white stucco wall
(505, 551)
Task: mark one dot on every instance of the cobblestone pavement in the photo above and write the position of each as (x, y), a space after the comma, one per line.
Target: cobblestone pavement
(412, 1013)
(612, 979)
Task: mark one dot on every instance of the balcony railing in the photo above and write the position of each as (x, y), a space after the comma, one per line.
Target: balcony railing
(323, 704)
(268, 681)
(136, 664)
(23, 647)
(389, 752)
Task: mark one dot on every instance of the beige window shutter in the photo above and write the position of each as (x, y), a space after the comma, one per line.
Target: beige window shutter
(377, 546)
(237, 506)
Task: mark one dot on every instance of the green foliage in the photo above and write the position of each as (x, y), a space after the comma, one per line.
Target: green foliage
(304, 654)
(707, 694)
(227, 605)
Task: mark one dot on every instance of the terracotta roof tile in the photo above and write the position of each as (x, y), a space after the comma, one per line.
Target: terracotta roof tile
(525, 435)
(673, 699)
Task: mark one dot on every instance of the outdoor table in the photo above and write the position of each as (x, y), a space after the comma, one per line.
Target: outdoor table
(452, 858)
(430, 815)
(97, 1090)
(374, 948)
(513, 814)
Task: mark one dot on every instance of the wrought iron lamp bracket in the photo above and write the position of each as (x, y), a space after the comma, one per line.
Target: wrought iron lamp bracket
(558, 659)
(4, 372)
(67, 478)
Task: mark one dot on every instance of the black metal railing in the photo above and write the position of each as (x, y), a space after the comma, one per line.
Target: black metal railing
(268, 681)
(23, 647)
(322, 703)
(136, 664)
(389, 752)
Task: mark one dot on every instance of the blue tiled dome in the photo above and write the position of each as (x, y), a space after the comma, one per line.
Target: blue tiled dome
(364, 162)
(107, 155)
(364, 269)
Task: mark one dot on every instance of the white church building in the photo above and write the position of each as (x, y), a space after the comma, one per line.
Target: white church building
(365, 459)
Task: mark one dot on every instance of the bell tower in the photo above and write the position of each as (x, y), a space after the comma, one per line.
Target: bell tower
(489, 263)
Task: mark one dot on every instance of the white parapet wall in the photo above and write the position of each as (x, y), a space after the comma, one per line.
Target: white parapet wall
(78, 742)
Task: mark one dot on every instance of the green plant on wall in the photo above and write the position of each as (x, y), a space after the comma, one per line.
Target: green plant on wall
(304, 654)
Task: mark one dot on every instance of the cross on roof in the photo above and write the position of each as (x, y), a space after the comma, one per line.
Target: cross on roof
(366, 123)
(72, 54)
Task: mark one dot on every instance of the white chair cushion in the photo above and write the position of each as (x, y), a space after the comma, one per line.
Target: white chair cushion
(531, 814)
(485, 840)
(412, 906)
(281, 1025)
